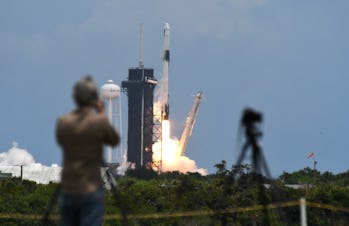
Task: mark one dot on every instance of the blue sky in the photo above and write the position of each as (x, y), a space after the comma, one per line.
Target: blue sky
(287, 59)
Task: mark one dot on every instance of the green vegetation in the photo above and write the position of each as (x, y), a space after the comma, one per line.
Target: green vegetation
(191, 199)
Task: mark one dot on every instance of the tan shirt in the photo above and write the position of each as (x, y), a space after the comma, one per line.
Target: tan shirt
(81, 137)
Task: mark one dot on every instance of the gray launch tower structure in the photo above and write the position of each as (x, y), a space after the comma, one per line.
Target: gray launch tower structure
(140, 91)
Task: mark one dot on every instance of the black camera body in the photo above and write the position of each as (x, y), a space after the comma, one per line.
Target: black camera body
(250, 117)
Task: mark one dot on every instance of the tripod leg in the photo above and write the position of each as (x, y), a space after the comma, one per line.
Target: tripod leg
(275, 191)
(242, 153)
(265, 166)
(46, 218)
(117, 196)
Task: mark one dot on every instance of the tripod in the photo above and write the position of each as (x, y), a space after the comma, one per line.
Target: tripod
(250, 121)
(116, 193)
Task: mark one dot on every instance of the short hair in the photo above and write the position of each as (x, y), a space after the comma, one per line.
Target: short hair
(85, 92)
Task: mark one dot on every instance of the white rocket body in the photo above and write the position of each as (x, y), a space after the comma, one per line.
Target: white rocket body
(164, 96)
(190, 122)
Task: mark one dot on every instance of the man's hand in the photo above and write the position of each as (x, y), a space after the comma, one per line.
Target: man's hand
(100, 106)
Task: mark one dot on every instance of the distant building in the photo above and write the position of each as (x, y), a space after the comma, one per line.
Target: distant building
(294, 186)
(34, 172)
(5, 176)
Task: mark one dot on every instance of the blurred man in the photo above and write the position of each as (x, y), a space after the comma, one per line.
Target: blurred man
(82, 134)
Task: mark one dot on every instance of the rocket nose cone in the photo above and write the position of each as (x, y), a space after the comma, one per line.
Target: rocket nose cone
(167, 26)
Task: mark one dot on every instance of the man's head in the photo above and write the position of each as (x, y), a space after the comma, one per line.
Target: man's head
(85, 92)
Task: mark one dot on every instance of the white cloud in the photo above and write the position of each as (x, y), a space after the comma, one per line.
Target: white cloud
(16, 156)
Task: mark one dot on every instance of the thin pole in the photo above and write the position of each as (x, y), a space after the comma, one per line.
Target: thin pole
(120, 131)
(141, 64)
(21, 172)
(111, 122)
(142, 121)
(303, 212)
(161, 143)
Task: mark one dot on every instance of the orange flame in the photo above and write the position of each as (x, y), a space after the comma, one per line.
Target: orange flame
(168, 157)
(166, 151)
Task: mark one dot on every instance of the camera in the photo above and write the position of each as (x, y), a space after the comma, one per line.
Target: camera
(250, 117)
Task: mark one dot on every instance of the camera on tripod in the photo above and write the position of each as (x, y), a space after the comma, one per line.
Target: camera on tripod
(249, 120)
(250, 117)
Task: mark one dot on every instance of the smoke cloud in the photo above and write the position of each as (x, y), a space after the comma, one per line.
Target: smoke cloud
(184, 165)
(166, 151)
(16, 157)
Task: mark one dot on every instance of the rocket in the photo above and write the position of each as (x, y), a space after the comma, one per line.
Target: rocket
(189, 124)
(165, 66)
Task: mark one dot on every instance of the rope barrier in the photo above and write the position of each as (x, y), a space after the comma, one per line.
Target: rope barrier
(202, 212)
(187, 213)
(26, 216)
(328, 207)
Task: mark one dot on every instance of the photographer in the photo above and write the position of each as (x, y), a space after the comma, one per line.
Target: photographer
(82, 134)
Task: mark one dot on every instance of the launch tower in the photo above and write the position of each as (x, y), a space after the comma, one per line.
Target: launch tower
(140, 91)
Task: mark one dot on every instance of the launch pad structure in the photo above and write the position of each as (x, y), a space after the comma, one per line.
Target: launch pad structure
(140, 91)
(144, 126)
(140, 87)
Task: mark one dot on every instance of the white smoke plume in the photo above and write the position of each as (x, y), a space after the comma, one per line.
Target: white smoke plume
(166, 151)
(16, 157)
(172, 160)
(19, 161)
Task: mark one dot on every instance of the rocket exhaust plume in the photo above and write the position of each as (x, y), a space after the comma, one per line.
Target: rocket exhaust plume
(166, 153)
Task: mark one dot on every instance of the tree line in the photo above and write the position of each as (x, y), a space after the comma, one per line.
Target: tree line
(145, 192)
